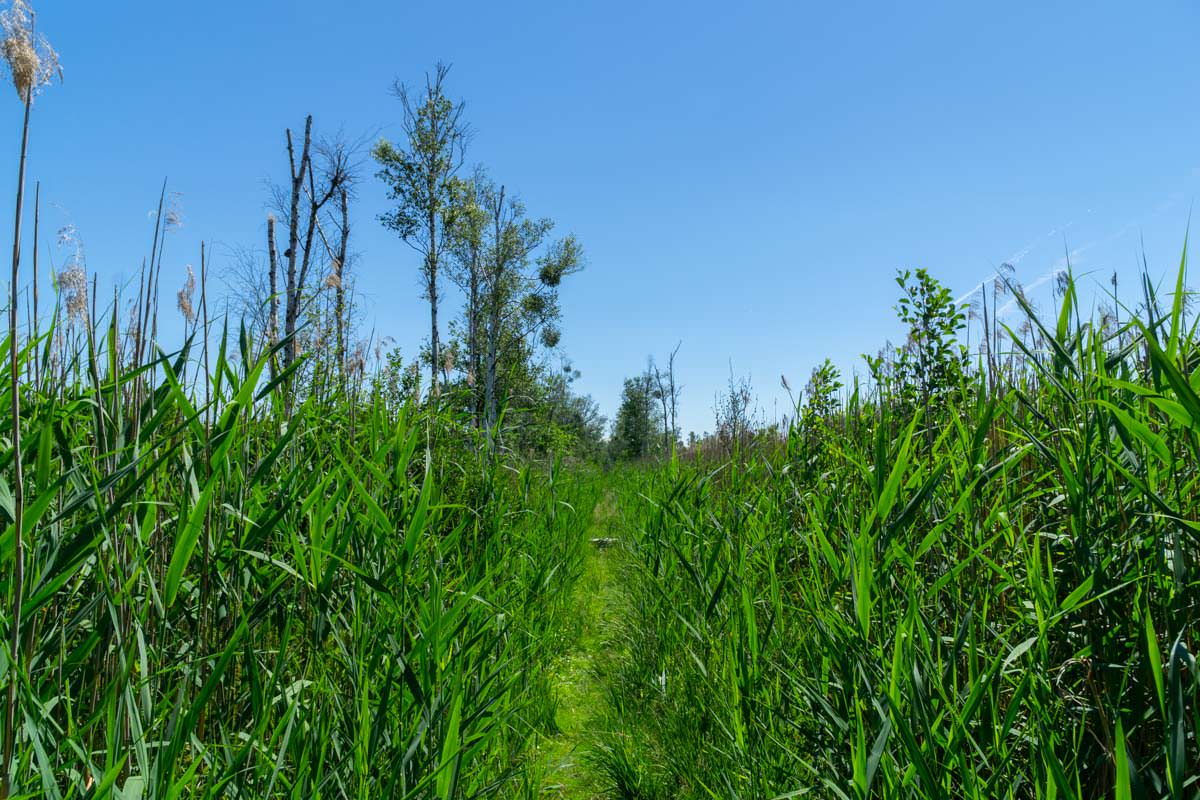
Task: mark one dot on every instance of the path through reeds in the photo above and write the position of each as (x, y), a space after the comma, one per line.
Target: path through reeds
(579, 677)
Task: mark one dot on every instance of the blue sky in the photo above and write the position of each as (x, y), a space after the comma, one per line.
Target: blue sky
(746, 178)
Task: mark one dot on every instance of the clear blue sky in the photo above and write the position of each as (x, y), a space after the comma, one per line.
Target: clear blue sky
(745, 177)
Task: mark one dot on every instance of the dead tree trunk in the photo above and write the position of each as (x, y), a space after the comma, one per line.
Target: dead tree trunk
(273, 284)
(339, 302)
(298, 172)
(673, 389)
(661, 386)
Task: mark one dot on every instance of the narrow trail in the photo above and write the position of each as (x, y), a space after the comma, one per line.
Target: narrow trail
(578, 676)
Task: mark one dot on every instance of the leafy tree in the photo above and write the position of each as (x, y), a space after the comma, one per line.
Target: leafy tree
(468, 269)
(395, 382)
(635, 428)
(556, 420)
(520, 288)
(812, 435)
(821, 393)
(932, 362)
(420, 179)
(580, 416)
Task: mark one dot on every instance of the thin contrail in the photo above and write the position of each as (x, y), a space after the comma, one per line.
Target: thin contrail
(1014, 259)
(1062, 263)
(1058, 268)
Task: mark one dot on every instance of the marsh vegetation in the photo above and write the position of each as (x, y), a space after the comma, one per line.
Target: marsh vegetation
(271, 557)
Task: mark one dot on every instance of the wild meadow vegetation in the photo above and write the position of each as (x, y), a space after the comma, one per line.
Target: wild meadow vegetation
(982, 585)
(266, 558)
(257, 561)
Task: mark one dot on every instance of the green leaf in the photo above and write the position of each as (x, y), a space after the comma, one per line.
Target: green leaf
(1139, 430)
(448, 769)
(185, 545)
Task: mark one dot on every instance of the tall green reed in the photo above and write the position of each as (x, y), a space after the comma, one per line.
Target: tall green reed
(996, 598)
(227, 600)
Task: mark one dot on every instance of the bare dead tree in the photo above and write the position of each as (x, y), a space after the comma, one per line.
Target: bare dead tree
(318, 175)
(673, 389)
(295, 282)
(338, 277)
(736, 413)
(660, 394)
(667, 391)
(273, 286)
(246, 274)
(340, 161)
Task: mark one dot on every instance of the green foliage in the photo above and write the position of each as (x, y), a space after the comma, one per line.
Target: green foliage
(226, 602)
(821, 393)
(563, 258)
(635, 430)
(397, 384)
(421, 179)
(931, 364)
(932, 361)
(419, 174)
(991, 594)
(510, 273)
(818, 423)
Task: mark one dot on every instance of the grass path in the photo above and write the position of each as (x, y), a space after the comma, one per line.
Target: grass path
(579, 678)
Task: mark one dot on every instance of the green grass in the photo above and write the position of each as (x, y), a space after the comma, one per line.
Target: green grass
(991, 595)
(989, 592)
(579, 676)
(223, 601)
(222, 577)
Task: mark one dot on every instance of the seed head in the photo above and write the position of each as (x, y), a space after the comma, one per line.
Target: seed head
(358, 359)
(184, 297)
(974, 311)
(133, 330)
(72, 282)
(1108, 319)
(382, 345)
(30, 58)
(174, 216)
(1062, 282)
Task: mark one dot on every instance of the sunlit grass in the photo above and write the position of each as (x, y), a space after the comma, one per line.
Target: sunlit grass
(994, 599)
(223, 601)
